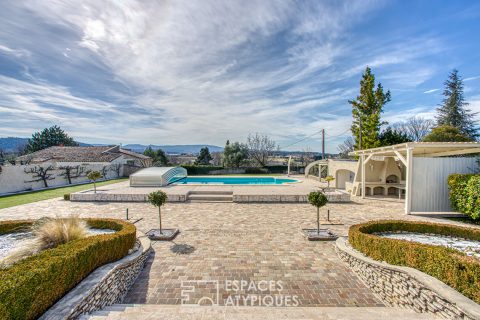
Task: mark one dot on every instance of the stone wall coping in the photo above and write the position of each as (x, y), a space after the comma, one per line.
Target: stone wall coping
(467, 305)
(66, 306)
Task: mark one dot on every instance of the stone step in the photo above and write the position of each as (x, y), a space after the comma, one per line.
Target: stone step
(225, 192)
(181, 312)
(210, 197)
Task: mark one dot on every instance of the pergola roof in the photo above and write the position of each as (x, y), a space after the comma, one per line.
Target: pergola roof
(423, 149)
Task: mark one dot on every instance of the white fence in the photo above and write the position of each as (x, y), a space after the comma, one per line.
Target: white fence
(28, 177)
(430, 182)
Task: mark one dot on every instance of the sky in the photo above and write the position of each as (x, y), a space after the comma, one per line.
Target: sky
(202, 71)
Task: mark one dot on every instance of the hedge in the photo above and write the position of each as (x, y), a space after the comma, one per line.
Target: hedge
(465, 194)
(199, 170)
(31, 286)
(448, 265)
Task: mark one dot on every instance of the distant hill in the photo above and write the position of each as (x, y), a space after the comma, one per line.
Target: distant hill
(174, 149)
(12, 144)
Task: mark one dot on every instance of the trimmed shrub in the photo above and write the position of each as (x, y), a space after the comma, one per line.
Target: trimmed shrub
(66, 197)
(30, 287)
(447, 265)
(193, 170)
(465, 194)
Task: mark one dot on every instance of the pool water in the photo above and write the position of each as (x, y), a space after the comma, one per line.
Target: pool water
(235, 180)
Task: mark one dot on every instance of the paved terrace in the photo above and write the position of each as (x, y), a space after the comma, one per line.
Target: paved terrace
(232, 241)
(293, 192)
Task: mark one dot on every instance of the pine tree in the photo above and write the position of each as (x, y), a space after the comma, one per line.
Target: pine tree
(453, 112)
(49, 137)
(366, 111)
(204, 157)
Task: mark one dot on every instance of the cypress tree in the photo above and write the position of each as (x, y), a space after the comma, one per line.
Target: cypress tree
(453, 111)
(366, 111)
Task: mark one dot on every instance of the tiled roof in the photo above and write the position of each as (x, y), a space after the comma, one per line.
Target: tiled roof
(78, 154)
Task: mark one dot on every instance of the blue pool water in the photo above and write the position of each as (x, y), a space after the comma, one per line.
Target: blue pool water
(235, 180)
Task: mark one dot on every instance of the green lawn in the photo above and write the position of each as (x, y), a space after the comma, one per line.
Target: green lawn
(15, 200)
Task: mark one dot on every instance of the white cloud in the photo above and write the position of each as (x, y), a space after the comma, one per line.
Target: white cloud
(431, 91)
(207, 71)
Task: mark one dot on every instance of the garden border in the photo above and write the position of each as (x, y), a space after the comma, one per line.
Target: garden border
(105, 286)
(407, 287)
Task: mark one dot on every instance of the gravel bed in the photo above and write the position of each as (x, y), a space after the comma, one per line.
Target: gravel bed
(469, 247)
(10, 241)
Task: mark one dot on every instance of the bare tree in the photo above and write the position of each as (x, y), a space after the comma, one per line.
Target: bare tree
(306, 157)
(346, 147)
(260, 148)
(416, 128)
(72, 172)
(40, 173)
(104, 172)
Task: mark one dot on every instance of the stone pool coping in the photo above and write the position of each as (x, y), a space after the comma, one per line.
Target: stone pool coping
(105, 286)
(407, 287)
(294, 192)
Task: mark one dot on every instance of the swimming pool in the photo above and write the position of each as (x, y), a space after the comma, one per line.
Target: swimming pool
(235, 180)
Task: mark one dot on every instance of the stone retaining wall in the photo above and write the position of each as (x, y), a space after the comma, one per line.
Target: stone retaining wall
(338, 196)
(105, 286)
(87, 196)
(407, 287)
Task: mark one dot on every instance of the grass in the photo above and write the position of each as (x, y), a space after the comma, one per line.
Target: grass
(34, 196)
(466, 220)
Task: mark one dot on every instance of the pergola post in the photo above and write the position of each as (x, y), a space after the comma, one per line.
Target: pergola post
(363, 176)
(408, 183)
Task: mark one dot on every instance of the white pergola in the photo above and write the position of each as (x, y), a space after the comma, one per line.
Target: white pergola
(405, 152)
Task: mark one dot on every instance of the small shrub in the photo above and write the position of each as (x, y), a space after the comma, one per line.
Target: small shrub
(447, 265)
(66, 197)
(465, 194)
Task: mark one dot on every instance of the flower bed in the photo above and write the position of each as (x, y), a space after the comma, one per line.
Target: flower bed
(30, 287)
(448, 265)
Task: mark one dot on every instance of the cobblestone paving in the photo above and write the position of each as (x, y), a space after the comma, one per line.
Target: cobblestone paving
(232, 242)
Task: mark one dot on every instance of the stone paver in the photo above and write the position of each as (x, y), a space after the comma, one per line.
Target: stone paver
(233, 242)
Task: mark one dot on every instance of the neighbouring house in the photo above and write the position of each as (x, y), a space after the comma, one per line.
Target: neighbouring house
(73, 155)
(415, 171)
(57, 166)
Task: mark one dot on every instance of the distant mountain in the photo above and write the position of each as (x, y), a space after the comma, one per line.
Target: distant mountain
(12, 144)
(174, 149)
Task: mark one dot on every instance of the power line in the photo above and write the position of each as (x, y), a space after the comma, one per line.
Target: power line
(337, 135)
(303, 139)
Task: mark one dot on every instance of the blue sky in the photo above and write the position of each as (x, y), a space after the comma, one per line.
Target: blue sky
(201, 72)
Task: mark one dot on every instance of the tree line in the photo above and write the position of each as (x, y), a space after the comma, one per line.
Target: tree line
(454, 122)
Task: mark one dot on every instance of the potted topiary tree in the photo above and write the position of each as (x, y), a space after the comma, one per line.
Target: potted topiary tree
(158, 199)
(329, 179)
(317, 199)
(94, 176)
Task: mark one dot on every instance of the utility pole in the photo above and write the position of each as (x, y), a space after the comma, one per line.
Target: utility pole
(323, 144)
